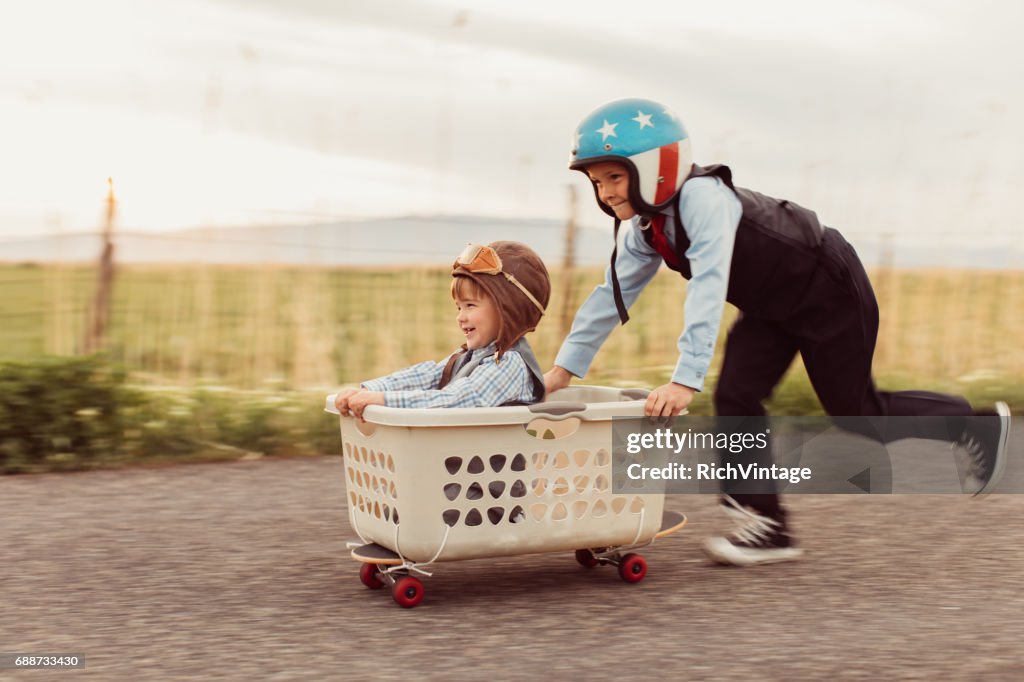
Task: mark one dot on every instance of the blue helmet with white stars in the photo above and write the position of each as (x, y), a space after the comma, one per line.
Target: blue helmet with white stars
(645, 136)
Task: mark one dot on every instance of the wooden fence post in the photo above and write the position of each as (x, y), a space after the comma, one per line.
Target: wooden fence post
(99, 313)
(568, 267)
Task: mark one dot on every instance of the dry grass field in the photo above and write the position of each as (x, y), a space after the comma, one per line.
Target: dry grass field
(311, 328)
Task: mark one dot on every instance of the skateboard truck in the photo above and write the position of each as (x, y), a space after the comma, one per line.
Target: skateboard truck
(632, 567)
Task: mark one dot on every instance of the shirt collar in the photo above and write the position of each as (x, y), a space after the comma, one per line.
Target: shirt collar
(644, 223)
(491, 348)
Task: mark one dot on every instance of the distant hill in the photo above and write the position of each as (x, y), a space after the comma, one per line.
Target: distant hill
(411, 239)
(422, 240)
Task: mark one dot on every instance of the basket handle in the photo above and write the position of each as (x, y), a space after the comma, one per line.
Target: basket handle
(559, 409)
(635, 393)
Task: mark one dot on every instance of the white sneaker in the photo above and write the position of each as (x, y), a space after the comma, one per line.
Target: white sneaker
(984, 440)
(756, 540)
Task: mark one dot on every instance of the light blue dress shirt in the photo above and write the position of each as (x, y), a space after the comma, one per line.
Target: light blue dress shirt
(711, 214)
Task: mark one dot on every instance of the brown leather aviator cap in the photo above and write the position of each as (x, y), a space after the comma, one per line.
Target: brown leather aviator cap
(516, 267)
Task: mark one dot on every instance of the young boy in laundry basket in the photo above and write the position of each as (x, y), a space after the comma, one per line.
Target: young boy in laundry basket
(501, 291)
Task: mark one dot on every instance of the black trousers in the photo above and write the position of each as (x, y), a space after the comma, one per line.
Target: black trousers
(834, 329)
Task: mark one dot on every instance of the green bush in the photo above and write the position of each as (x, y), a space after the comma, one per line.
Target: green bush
(59, 414)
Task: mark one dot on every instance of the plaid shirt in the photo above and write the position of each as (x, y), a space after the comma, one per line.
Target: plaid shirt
(489, 385)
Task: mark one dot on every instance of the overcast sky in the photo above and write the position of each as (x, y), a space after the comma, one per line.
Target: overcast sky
(885, 117)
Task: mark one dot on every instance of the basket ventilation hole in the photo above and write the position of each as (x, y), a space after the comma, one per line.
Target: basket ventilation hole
(387, 512)
(540, 460)
(452, 490)
(518, 489)
(517, 515)
(600, 509)
(559, 513)
(561, 487)
(562, 460)
(496, 488)
(540, 486)
(618, 504)
(394, 517)
(636, 505)
(476, 466)
(601, 483)
(450, 516)
(580, 483)
(538, 511)
(495, 514)
(391, 464)
(473, 518)
(603, 459)
(474, 492)
(580, 457)
(497, 462)
(453, 464)
(519, 463)
(579, 509)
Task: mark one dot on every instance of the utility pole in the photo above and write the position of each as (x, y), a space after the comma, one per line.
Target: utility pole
(569, 266)
(99, 313)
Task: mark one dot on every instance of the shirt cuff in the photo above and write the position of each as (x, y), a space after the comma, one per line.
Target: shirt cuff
(374, 385)
(691, 372)
(574, 359)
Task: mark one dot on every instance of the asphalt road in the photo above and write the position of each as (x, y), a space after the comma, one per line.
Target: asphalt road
(240, 571)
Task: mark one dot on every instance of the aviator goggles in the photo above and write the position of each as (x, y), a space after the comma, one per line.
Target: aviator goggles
(483, 260)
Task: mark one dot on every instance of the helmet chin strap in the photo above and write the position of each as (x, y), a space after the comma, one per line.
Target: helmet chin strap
(616, 290)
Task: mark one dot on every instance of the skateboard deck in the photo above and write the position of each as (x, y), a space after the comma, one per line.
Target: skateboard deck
(376, 554)
(670, 522)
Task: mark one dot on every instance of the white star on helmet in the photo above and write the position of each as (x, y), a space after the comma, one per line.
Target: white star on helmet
(607, 130)
(643, 119)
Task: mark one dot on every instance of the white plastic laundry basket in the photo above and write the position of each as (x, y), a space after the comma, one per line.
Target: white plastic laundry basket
(443, 484)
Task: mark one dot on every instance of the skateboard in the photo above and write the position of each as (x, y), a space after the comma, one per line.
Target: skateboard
(407, 590)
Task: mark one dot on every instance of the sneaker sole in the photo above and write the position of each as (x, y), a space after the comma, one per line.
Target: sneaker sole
(1003, 410)
(722, 551)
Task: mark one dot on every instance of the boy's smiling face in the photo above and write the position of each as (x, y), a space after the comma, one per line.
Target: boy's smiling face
(612, 182)
(478, 317)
